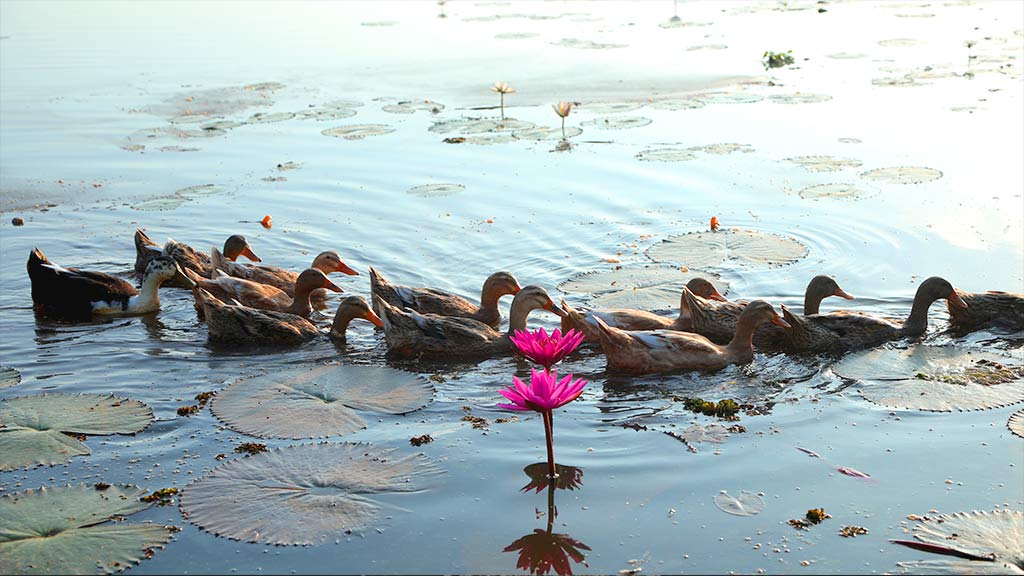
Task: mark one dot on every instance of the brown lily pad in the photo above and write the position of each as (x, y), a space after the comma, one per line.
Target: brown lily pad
(985, 542)
(823, 163)
(647, 288)
(748, 247)
(903, 175)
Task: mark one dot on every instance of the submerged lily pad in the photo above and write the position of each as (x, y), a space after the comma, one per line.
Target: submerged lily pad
(617, 122)
(749, 247)
(729, 98)
(74, 530)
(200, 190)
(161, 204)
(435, 190)
(823, 163)
(903, 175)
(412, 106)
(9, 377)
(746, 504)
(609, 107)
(357, 131)
(1016, 423)
(302, 495)
(666, 155)
(835, 190)
(935, 378)
(987, 543)
(32, 427)
(648, 288)
(545, 133)
(799, 98)
(316, 403)
(674, 104)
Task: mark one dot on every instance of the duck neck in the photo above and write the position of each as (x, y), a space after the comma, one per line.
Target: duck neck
(917, 322)
(148, 298)
(812, 302)
(489, 298)
(517, 316)
(300, 303)
(743, 340)
(341, 321)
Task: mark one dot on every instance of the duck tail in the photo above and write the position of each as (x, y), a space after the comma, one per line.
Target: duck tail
(575, 319)
(608, 336)
(384, 310)
(36, 258)
(217, 260)
(378, 286)
(692, 304)
(205, 302)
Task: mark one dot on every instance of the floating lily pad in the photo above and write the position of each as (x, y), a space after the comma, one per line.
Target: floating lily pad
(318, 403)
(178, 149)
(697, 434)
(1016, 423)
(379, 24)
(463, 126)
(846, 55)
(823, 163)
(412, 106)
(666, 155)
(674, 104)
(186, 119)
(995, 539)
(516, 35)
(617, 122)
(266, 118)
(648, 288)
(200, 190)
(896, 81)
(358, 131)
(903, 175)
(935, 378)
(746, 504)
(9, 377)
(74, 530)
(302, 495)
(835, 190)
(343, 103)
(161, 204)
(799, 98)
(585, 44)
(677, 22)
(900, 42)
(488, 139)
(326, 114)
(697, 47)
(32, 427)
(729, 98)
(723, 148)
(435, 190)
(545, 133)
(609, 107)
(749, 247)
(221, 125)
(512, 125)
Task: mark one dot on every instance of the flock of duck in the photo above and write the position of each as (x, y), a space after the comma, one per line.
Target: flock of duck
(255, 304)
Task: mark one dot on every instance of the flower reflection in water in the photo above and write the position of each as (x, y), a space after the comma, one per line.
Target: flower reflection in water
(567, 477)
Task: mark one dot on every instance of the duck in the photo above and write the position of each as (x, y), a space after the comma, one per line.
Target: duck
(629, 319)
(264, 296)
(434, 301)
(233, 323)
(280, 278)
(845, 331)
(408, 332)
(653, 351)
(81, 294)
(1003, 311)
(717, 320)
(187, 257)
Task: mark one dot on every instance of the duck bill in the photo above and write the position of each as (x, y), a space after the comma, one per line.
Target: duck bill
(516, 289)
(248, 253)
(550, 307)
(716, 295)
(842, 294)
(184, 281)
(778, 321)
(332, 286)
(373, 318)
(957, 301)
(344, 269)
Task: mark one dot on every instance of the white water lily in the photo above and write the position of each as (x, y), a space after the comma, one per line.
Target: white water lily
(502, 88)
(562, 109)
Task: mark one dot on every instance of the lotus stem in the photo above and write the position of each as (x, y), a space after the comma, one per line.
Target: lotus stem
(552, 510)
(563, 127)
(502, 94)
(549, 437)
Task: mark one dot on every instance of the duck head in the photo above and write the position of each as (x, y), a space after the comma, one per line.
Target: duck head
(330, 261)
(760, 311)
(354, 307)
(311, 279)
(935, 288)
(500, 284)
(236, 246)
(822, 286)
(163, 269)
(705, 289)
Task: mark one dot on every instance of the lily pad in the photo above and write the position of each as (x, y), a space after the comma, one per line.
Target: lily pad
(515, 35)
(617, 122)
(545, 133)
(160, 204)
(648, 288)
(609, 107)
(723, 148)
(463, 126)
(746, 504)
(674, 104)
(266, 118)
(435, 190)
(697, 434)
(74, 530)
(491, 138)
(935, 378)
(835, 190)
(221, 125)
(846, 55)
(823, 163)
(729, 98)
(748, 247)
(412, 106)
(317, 403)
(585, 44)
(200, 190)
(666, 155)
(987, 542)
(900, 42)
(32, 427)
(799, 98)
(343, 103)
(1016, 423)
(903, 175)
(325, 114)
(9, 377)
(302, 495)
(512, 124)
(358, 131)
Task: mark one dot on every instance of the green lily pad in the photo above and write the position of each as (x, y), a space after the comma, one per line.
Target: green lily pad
(936, 378)
(302, 495)
(32, 427)
(823, 163)
(617, 122)
(412, 106)
(357, 131)
(1016, 423)
(748, 247)
(648, 288)
(435, 190)
(995, 538)
(74, 530)
(745, 504)
(267, 118)
(545, 133)
(835, 190)
(666, 155)
(317, 403)
(903, 175)
(9, 377)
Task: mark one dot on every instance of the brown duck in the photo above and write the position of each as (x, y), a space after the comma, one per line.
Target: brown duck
(434, 301)
(1002, 311)
(281, 278)
(188, 258)
(263, 296)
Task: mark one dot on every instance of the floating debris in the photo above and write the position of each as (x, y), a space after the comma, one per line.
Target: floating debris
(746, 504)
(188, 410)
(435, 190)
(852, 531)
(421, 440)
(726, 409)
(852, 472)
(903, 175)
(817, 515)
(646, 288)
(250, 448)
(161, 497)
(748, 247)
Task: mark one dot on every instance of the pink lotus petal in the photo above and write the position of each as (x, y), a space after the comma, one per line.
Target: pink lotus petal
(852, 472)
(808, 452)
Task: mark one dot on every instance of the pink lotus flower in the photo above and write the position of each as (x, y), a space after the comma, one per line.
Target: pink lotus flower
(545, 392)
(547, 350)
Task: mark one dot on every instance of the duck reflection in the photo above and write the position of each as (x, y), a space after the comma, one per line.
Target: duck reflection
(543, 550)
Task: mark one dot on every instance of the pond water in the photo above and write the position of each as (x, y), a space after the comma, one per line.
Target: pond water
(193, 121)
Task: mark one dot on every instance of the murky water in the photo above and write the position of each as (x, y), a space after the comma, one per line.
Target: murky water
(88, 99)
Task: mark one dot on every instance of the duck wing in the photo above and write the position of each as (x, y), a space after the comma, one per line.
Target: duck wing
(70, 291)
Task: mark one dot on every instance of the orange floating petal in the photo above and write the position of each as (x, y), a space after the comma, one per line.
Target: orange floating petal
(267, 221)
(714, 223)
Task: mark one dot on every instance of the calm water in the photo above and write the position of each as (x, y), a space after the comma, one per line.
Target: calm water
(81, 88)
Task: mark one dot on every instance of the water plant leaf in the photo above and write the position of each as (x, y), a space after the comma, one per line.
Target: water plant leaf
(799, 98)
(837, 190)
(647, 288)
(586, 44)
(325, 114)
(318, 402)
(32, 427)
(746, 504)
(9, 377)
(723, 148)
(609, 107)
(267, 118)
(68, 530)
(674, 104)
(729, 98)
(666, 155)
(995, 539)
(343, 103)
(851, 472)
(823, 163)
(1016, 423)
(491, 138)
(435, 190)
(903, 175)
(302, 495)
(956, 567)
(160, 204)
(749, 247)
(463, 126)
(546, 133)
(935, 378)
(357, 131)
(696, 434)
(617, 122)
(412, 106)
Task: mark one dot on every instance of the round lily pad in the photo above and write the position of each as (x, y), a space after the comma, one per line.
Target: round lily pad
(648, 288)
(896, 81)
(266, 118)
(903, 175)
(697, 47)
(302, 495)
(32, 427)
(935, 378)
(697, 434)
(161, 204)
(994, 540)
(463, 126)
(343, 103)
(900, 42)
(609, 107)
(317, 403)
(545, 133)
(729, 98)
(512, 124)
(749, 247)
(9, 377)
(835, 190)
(412, 106)
(723, 148)
(745, 504)
(357, 131)
(617, 122)
(200, 190)
(75, 530)
(191, 119)
(488, 139)
(799, 98)
(823, 163)
(221, 125)
(666, 155)
(585, 44)
(325, 114)
(1016, 423)
(516, 35)
(435, 190)
(674, 104)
